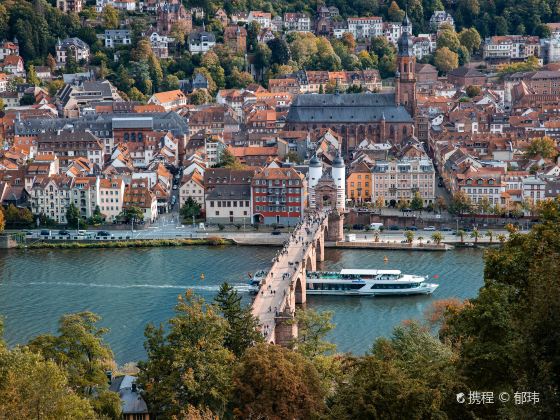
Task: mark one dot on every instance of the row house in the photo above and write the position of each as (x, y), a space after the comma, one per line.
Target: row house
(358, 183)
(13, 64)
(138, 194)
(424, 45)
(278, 196)
(124, 5)
(70, 144)
(254, 155)
(288, 84)
(296, 22)
(365, 27)
(264, 121)
(483, 183)
(85, 195)
(71, 46)
(228, 195)
(510, 47)
(192, 186)
(215, 120)
(399, 180)
(50, 196)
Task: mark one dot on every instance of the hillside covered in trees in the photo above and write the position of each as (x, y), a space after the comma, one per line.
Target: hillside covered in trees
(210, 360)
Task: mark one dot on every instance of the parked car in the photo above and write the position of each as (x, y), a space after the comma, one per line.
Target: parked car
(358, 227)
(63, 233)
(45, 233)
(175, 186)
(103, 233)
(446, 229)
(413, 228)
(430, 228)
(394, 227)
(276, 232)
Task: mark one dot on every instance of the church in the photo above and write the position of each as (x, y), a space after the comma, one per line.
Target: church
(379, 117)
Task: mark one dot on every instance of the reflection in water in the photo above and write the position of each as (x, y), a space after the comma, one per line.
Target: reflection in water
(131, 287)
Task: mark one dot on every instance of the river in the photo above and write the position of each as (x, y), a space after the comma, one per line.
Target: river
(131, 287)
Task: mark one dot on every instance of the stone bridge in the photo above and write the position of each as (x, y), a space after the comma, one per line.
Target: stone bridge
(284, 286)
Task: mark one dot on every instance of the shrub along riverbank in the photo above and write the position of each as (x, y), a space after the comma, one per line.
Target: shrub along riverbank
(137, 243)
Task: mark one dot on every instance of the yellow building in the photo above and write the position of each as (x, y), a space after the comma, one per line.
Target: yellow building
(358, 183)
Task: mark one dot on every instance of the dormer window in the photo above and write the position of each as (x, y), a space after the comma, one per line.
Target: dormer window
(479, 181)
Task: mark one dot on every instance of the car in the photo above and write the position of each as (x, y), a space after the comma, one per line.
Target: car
(177, 176)
(276, 232)
(45, 233)
(438, 216)
(358, 227)
(412, 228)
(406, 210)
(63, 233)
(446, 229)
(430, 228)
(175, 186)
(394, 227)
(103, 233)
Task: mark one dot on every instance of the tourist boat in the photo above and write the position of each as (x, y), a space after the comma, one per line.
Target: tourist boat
(360, 282)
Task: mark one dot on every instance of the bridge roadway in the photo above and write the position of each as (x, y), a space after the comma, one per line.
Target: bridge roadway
(284, 284)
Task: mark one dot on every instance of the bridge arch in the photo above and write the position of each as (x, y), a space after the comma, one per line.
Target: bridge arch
(300, 291)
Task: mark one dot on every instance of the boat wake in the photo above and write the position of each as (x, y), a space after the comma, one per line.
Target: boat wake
(209, 288)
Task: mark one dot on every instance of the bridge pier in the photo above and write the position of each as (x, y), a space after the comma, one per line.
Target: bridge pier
(335, 231)
(320, 248)
(285, 329)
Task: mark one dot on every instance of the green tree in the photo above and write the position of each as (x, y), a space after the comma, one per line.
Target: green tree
(544, 147)
(32, 76)
(470, 39)
(190, 209)
(475, 234)
(262, 57)
(448, 38)
(461, 234)
(73, 217)
(417, 203)
(437, 237)
(188, 364)
(31, 387)
(132, 213)
(473, 91)
(460, 203)
(276, 383)
(71, 65)
(490, 235)
(110, 17)
(313, 327)
(409, 236)
(395, 13)
(227, 160)
(446, 60)
(242, 331)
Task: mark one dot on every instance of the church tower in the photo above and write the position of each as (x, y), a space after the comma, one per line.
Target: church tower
(405, 77)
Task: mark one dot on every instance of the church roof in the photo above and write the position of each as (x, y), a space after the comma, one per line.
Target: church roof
(347, 108)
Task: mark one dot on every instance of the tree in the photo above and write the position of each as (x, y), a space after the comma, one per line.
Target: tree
(73, 216)
(80, 349)
(276, 383)
(32, 76)
(242, 331)
(227, 160)
(262, 57)
(409, 235)
(2, 219)
(191, 209)
(31, 387)
(312, 330)
(240, 79)
(395, 13)
(460, 203)
(280, 51)
(544, 147)
(199, 97)
(437, 237)
(110, 17)
(71, 65)
(475, 234)
(188, 364)
(448, 38)
(97, 218)
(470, 39)
(473, 91)
(417, 203)
(461, 234)
(132, 213)
(490, 235)
(446, 60)
(27, 99)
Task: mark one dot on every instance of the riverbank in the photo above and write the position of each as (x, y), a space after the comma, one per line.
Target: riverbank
(394, 246)
(136, 243)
